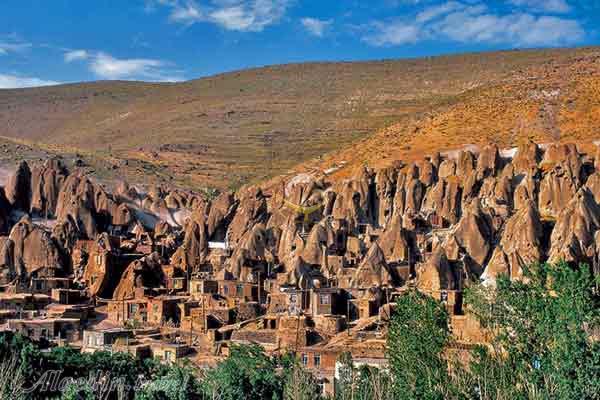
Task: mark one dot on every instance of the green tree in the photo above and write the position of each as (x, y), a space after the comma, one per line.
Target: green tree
(12, 380)
(543, 327)
(75, 392)
(247, 374)
(361, 383)
(417, 337)
(178, 383)
(373, 384)
(300, 384)
(345, 383)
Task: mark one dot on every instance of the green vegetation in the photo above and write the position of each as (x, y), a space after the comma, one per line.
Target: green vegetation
(545, 344)
(362, 383)
(30, 371)
(418, 336)
(63, 371)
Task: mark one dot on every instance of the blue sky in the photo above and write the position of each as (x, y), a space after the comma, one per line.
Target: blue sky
(47, 42)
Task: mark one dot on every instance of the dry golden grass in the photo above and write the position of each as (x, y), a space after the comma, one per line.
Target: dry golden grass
(552, 101)
(244, 126)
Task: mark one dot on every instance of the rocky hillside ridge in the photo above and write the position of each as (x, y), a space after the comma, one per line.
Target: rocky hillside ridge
(551, 101)
(445, 220)
(240, 127)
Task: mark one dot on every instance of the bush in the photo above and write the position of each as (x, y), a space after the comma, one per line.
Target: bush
(418, 335)
(543, 324)
(247, 374)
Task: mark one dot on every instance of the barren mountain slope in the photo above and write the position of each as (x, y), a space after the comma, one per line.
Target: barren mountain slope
(232, 128)
(554, 101)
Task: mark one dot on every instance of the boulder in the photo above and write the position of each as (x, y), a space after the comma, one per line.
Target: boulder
(5, 210)
(393, 242)
(567, 156)
(385, 183)
(525, 191)
(427, 173)
(373, 271)
(18, 189)
(474, 233)
(252, 209)
(593, 185)
(527, 159)
(447, 168)
(573, 235)
(220, 214)
(7, 266)
(465, 163)
(444, 198)
(146, 272)
(318, 239)
(46, 181)
(488, 162)
(76, 201)
(194, 248)
(521, 245)
(436, 273)
(35, 253)
(557, 188)
(415, 191)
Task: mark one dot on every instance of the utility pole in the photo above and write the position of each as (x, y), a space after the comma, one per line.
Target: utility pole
(204, 314)
(348, 314)
(259, 292)
(297, 333)
(192, 326)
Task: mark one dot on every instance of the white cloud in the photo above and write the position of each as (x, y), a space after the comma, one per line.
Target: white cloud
(189, 13)
(14, 81)
(475, 23)
(76, 55)
(550, 6)
(105, 66)
(314, 26)
(233, 15)
(11, 44)
(516, 29)
(393, 34)
(433, 12)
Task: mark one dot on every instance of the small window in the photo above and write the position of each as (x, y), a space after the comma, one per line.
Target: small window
(317, 360)
(168, 355)
(198, 288)
(225, 289)
(324, 299)
(304, 358)
(444, 297)
(239, 290)
(44, 333)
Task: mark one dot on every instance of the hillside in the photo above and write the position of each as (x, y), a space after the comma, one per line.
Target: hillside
(242, 126)
(554, 101)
